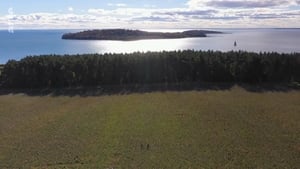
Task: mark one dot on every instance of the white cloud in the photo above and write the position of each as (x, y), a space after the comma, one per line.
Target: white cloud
(98, 11)
(122, 12)
(197, 14)
(117, 4)
(149, 6)
(70, 9)
(239, 3)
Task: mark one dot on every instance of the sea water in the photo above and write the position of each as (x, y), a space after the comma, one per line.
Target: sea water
(23, 43)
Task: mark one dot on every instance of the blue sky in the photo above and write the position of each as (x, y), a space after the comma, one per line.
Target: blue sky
(29, 6)
(35, 14)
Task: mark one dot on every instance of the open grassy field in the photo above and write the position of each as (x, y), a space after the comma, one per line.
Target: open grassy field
(225, 129)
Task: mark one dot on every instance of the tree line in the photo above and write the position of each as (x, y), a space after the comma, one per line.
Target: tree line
(1, 68)
(55, 71)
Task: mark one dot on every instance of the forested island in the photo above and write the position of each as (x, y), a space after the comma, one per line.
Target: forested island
(57, 71)
(128, 35)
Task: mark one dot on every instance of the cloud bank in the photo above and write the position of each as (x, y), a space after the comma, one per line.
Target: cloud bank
(196, 14)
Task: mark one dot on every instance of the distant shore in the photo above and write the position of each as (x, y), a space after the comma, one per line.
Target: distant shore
(129, 35)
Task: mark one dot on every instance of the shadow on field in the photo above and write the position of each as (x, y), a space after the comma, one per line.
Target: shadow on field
(129, 89)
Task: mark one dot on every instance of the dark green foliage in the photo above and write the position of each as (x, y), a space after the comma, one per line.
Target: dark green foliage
(151, 67)
(1, 69)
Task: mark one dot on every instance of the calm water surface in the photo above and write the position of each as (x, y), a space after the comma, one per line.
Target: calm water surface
(36, 42)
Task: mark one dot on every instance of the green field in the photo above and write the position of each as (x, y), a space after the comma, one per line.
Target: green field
(209, 129)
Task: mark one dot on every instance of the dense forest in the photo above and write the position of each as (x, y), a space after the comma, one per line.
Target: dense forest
(147, 68)
(1, 68)
(124, 34)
